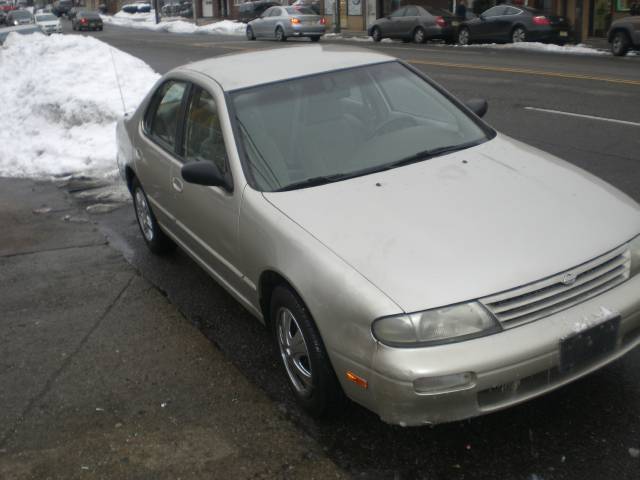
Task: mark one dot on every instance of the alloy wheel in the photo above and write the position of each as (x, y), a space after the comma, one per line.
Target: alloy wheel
(144, 215)
(463, 37)
(294, 351)
(418, 36)
(519, 35)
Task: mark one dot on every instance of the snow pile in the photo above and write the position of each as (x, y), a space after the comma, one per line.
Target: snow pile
(339, 36)
(579, 49)
(60, 102)
(147, 21)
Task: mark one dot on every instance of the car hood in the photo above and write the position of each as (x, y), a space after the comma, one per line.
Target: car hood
(49, 23)
(465, 225)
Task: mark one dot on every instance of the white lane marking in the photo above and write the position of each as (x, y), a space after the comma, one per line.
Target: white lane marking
(580, 115)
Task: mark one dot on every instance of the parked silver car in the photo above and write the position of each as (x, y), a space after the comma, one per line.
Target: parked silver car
(400, 249)
(284, 22)
(624, 35)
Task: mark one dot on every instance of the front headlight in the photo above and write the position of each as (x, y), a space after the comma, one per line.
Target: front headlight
(634, 250)
(454, 323)
(15, 22)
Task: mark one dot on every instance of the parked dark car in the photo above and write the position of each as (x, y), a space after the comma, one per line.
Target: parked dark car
(511, 23)
(417, 23)
(624, 35)
(5, 8)
(251, 10)
(19, 17)
(62, 7)
(87, 21)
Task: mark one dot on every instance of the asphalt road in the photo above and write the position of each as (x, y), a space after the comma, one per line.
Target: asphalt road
(584, 430)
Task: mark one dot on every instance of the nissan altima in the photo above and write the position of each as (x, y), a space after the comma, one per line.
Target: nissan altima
(403, 253)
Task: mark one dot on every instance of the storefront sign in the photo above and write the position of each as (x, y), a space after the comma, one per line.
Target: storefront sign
(355, 7)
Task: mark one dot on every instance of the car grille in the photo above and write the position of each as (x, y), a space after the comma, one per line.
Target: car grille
(545, 297)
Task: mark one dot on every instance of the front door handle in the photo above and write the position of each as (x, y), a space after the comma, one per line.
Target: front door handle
(177, 185)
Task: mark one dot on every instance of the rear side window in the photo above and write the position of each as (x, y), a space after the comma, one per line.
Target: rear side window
(495, 11)
(203, 140)
(161, 120)
(411, 12)
(398, 13)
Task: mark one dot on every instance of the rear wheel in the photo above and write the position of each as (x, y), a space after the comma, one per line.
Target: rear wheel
(154, 237)
(250, 35)
(620, 44)
(303, 355)
(376, 34)
(519, 35)
(280, 36)
(418, 35)
(464, 36)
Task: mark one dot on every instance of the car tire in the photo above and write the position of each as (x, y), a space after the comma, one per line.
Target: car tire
(620, 44)
(518, 35)
(315, 39)
(464, 36)
(280, 36)
(303, 355)
(376, 34)
(419, 35)
(250, 35)
(100, 28)
(157, 241)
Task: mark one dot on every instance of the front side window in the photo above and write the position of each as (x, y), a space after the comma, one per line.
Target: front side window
(347, 123)
(203, 140)
(494, 11)
(162, 117)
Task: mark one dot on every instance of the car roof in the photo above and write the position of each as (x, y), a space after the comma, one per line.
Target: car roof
(243, 70)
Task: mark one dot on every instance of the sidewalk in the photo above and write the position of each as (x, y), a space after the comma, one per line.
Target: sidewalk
(103, 378)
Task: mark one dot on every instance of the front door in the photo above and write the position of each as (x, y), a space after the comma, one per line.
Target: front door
(487, 26)
(207, 217)
(154, 152)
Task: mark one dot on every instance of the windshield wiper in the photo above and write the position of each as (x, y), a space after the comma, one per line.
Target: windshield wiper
(427, 154)
(315, 181)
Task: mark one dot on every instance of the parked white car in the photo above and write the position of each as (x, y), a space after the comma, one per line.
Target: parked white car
(48, 23)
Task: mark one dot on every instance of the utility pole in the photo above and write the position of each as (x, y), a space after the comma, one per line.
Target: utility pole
(157, 10)
(336, 9)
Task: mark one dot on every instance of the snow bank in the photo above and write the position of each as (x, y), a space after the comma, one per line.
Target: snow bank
(60, 102)
(173, 25)
(361, 38)
(579, 49)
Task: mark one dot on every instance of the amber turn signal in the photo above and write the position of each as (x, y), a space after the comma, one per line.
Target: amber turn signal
(361, 382)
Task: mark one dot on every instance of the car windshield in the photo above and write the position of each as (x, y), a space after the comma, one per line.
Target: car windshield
(343, 124)
(46, 17)
(300, 11)
(21, 14)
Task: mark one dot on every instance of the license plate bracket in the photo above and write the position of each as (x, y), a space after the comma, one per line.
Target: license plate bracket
(583, 347)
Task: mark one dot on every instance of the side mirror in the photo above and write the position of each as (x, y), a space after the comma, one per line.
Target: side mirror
(204, 173)
(479, 106)
(482, 17)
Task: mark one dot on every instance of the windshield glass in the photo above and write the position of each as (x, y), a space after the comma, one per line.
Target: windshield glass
(46, 17)
(21, 14)
(344, 124)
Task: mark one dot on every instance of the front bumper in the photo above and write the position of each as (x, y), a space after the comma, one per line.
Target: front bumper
(510, 367)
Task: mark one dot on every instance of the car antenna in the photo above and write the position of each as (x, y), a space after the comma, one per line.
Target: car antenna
(115, 70)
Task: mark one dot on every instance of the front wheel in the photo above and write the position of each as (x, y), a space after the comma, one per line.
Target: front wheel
(376, 34)
(154, 237)
(518, 35)
(250, 35)
(303, 355)
(464, 36)
(418, 35)
(620, 44)
(315, 39)
(280, 36)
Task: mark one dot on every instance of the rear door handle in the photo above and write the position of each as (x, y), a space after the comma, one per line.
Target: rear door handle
(177, 185)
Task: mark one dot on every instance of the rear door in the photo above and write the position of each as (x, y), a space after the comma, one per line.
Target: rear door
(259, 25)
(154, 151)
(408, 21)
(506, 22)
(207, 217)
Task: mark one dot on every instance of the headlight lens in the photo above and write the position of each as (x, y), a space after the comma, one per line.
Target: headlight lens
(432, 327)
(634, 248)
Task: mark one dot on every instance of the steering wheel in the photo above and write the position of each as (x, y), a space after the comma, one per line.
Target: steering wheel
(394, 124)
